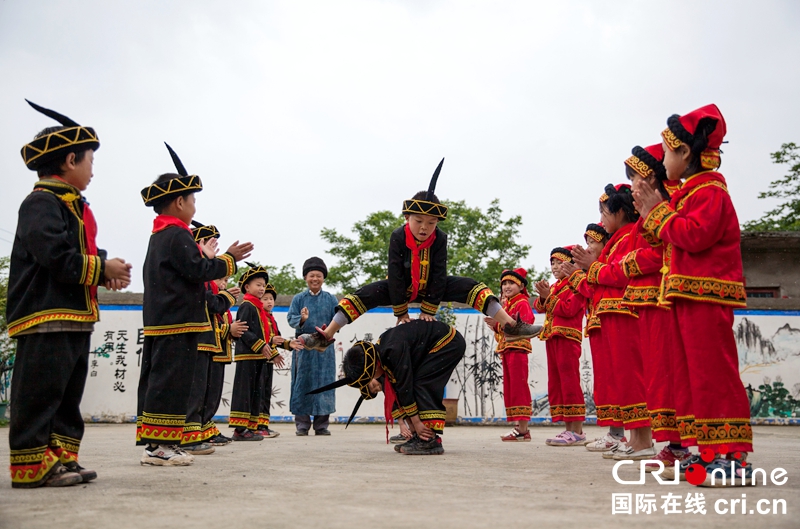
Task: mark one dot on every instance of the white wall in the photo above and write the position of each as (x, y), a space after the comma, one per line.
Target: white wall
(769, 350)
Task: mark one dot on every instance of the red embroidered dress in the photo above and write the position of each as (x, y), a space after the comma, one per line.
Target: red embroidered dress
(563, 311)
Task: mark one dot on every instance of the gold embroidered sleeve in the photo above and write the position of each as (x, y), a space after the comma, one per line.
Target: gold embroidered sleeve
(230, 263)
(656, 220)
(575, 280)
(428, 308)
(629, 265)
(538, 305)
(400, 310)
(594, 272)
(228, 296)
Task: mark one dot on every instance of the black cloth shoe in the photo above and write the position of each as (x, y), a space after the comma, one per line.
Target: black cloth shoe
(301, 432)
(423, 448)
(86, 474)
(322, 431)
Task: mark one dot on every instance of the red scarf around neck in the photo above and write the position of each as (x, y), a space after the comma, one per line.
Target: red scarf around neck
(89, 230)
(162, 222)
(415, 247)
(261, 312)
(215, 291)
(389, 397)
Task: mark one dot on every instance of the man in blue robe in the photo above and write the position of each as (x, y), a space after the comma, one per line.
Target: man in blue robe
(312, 369)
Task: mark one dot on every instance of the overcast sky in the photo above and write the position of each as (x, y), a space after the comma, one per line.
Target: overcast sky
(305, 115)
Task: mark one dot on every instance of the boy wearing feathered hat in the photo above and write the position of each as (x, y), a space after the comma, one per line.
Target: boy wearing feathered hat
(309, 310)
(174, 314)
(418, 273)
(199, 428)
(514, 354)
(52, 306)
(563, 310)
(229, 330)
(411, 364)
(253, 350)
(702, 281)
(268, 302)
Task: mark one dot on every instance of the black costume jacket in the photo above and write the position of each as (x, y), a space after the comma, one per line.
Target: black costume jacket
(218, 304)
(51, 271)
(224, 325)
(249, 345)
(175, 271)
(405, 348)
(433, 273)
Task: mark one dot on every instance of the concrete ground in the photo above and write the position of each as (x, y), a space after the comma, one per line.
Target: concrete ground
(353, 479)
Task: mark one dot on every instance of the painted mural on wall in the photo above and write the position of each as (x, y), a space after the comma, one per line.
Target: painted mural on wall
(769, 357)
(769, 362)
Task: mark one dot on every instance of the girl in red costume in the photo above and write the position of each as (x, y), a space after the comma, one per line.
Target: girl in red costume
(619, 321)
(514, 355)
(596, 238)
(702, 282)
(563, 311)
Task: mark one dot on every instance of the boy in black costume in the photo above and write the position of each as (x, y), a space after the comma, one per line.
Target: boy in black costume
(174, 314)
(411, 364)
(418, 273)
(52, 306)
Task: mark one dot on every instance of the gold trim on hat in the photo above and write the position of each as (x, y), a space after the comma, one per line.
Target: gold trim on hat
(635, 163)
(671, 139)
(423, 207)
(181, 184)
(55, 141)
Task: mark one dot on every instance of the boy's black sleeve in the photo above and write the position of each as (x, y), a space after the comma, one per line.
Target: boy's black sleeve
(219, 303)
(190, 262)
(44, 233)
(253, 337)
(437, 277)
(397, 282)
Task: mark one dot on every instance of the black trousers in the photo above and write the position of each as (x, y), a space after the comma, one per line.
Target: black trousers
(195, 431)
(46, 423)
(430, 379)
(165, 383)
(246, 397)
(458, 290)
(266, 393)
(216, 381)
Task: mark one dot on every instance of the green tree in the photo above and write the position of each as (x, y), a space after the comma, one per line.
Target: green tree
(480, 245)
(785, 217)
(8, 346)
(285, 279)
(361, 259)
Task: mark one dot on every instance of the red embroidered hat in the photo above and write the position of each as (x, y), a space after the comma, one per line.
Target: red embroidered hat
(646, 161)
(596, 232)
(614, 188)
(563, 254)
(518, 276)
(705, 121)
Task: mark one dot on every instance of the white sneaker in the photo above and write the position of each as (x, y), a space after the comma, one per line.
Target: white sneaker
(629, 455)
(621, 445)
(166, 455)
(603, 444)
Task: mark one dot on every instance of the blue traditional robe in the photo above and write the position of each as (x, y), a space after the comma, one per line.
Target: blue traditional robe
(312, 369)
